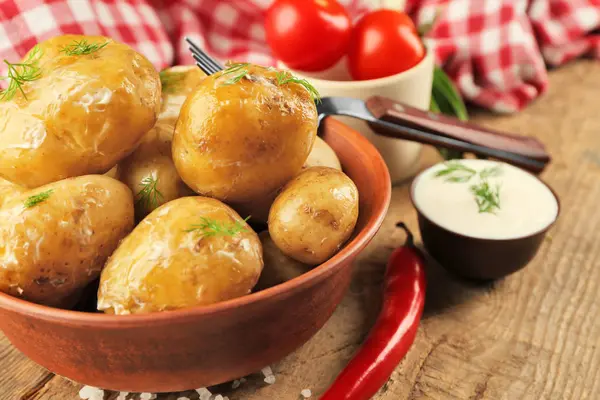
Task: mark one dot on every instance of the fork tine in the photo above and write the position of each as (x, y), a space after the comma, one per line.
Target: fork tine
(207, 60)
(204, 66)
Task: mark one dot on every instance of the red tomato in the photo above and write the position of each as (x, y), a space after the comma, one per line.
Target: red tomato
(308, 35)
(383, 43)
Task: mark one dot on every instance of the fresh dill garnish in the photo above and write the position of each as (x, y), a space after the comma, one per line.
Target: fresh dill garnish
(38, 198)
(171, 81)
(237, 72)
(149, 196)
(211, 227)
(81, 48)
(490, 172)
(284, 77)
(456, 172)
(22, 72)
(486, 197)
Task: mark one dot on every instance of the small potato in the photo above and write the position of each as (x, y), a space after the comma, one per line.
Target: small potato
(190, 251)
(55, 239)
(314, 215)
(242, 134)
(81, 114)
(322, 155)
(149, 171)
(278, 268)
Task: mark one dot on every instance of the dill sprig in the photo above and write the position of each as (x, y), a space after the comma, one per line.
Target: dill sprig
(491, 172)
(20, 73)
(486, 197)
(285, 77)
(149, 196)
(237, 72)
(211, 227)
(171, 81)
(456, 172)
(37, 198)
(82, 47)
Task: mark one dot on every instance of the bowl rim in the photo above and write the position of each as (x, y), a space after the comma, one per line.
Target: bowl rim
(542, 230)
(368, 83)
(350, 250)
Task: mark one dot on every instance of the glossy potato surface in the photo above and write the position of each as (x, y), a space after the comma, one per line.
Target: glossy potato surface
(169, 262)
(314, 215)
(149, 171)
(321, 155)
(81, 116)
(239, 141)
(9, 190)
(278, 268)
(50, 251)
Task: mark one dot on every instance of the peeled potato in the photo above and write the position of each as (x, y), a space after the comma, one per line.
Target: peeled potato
(190, 251)
(314, 215)
(239, 140)
(55, 239)
(81, 115)
(278, 268)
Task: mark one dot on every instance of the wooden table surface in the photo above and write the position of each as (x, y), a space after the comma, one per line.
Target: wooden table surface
(533, 335)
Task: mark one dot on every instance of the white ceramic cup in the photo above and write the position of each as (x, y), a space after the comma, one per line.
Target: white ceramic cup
(412, 87)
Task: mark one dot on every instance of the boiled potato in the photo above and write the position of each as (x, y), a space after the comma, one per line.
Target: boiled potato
(314, 215)
(55, 239)
(149, 171)
(81, 114)
(8, 190)
(322, 155)
(190, 251)
(243, 133)
(278, 268)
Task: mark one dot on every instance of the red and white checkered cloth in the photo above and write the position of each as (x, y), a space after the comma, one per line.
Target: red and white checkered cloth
(495, 50)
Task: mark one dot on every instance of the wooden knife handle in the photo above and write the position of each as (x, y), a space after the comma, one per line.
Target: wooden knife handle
(401, 114)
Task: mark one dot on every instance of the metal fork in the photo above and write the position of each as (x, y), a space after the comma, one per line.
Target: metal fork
(393, 119)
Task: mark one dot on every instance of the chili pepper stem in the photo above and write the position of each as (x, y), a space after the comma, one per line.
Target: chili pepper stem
(410, 240)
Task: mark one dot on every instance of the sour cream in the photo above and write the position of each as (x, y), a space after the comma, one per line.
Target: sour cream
(526, 204)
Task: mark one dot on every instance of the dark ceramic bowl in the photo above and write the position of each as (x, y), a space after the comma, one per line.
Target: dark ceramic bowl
(477, 258)
(203, 346)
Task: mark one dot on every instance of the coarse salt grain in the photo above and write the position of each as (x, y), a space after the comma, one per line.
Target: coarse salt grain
(236, 384)
(306, 393)
(204, 393)
(218, 397)
(183, 398)
(270, 379)
(147, 396)
(268, 373)
(91, 393)
(122, 395)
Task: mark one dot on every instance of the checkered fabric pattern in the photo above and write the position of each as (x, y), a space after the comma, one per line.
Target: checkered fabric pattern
(495, 50)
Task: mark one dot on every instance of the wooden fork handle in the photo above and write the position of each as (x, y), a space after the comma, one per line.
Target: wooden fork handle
(401, 114)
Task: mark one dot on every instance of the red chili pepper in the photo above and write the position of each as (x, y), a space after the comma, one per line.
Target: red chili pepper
(393, 332)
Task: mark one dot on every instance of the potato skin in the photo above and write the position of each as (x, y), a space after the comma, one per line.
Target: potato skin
(314, 215)
(238, 142)
(278, 268)
(152, 159)
(83, 115)
(52, 250)
(322, 155)
(162, 266)
(9, 190)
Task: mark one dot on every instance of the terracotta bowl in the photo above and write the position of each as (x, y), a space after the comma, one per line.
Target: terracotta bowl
(479, 258)
(203, 346)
